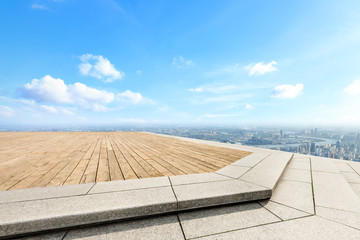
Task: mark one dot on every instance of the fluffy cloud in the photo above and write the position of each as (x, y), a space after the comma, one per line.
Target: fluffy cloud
(6, 111)
(51, 90)
(99, 67)
(353, 88)
(287, 91)
(129, 96)
(181, 62)
(260, 68)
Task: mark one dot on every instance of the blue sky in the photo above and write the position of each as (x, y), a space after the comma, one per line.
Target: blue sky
(179, 62)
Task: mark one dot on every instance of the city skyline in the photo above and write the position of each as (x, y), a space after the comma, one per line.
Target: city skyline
(202, 63)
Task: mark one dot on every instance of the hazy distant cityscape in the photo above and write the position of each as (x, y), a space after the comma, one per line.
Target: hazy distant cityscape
(332, 143)
(339, 144)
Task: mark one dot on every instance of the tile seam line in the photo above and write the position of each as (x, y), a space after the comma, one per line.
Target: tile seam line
(271, 212)
(240, 229)
(82, 195)
(339, 209)
(255, 164)
(338, 222)
(312, 186)
(177, 208)
(312, 214)
(125, 190)
(353, 169)
(177, 201)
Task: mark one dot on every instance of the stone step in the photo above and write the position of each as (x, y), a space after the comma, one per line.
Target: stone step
(40, 209)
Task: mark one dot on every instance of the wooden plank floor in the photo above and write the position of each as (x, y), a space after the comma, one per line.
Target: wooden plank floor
(40, 159)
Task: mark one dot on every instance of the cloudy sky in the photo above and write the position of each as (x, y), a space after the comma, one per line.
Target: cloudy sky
(180, 62)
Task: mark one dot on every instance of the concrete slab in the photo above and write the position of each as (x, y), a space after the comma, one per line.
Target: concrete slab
(221, 219)
(356, 188)
(302, 165)
(166, 227)
(44, 193)
(268, 171)
(351, 177)
(282, 211)
(303, 228)
(48, 236)
(347, 218)
(252, 159)
(343, 166)
(216, 193)
(131, 184)
(294, 194)
(233, 171)
(331, 190)
(297, 175)
(355, 166)
(323, 165)
(196, 178)
(39, 215)
(301, 157)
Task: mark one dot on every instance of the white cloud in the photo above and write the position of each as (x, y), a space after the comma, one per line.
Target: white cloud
(287, 91)
(49, 109)
(138, 72)
(47, 89)
(83, 94)
(181, 62)
(248, 106)
(198, 89)
(129, 96)
(51, 90)
(39, 6)
(99, 67)
(6, 111)
(353, 88)
(260, 68)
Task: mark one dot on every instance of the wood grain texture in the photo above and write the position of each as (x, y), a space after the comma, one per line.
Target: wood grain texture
(39, 159)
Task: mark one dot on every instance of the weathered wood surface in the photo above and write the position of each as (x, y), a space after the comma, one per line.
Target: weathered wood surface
(40, 159)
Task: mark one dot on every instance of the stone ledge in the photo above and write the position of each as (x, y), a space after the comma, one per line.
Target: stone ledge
(34, 210)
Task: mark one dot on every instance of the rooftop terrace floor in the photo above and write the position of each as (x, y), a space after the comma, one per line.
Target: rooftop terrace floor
(42, 159)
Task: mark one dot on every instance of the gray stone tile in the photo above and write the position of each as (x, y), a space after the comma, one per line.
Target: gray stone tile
(221, 219)
(282, 211)
(233, 171)
(356, 188)
(32, 216)
(166, 227)
(297, 175)
(252, 159)
(297, 195)
(331, 190)
(351, 177)
(307, 228)
(215, 193)
(300, 157)
(355, 166)
(347, 218)
(268, 171)
(44, 193)
(302, 165)
(323, 165)
(343, 166)
(197, 178)
(130, 184)
(48, 236)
